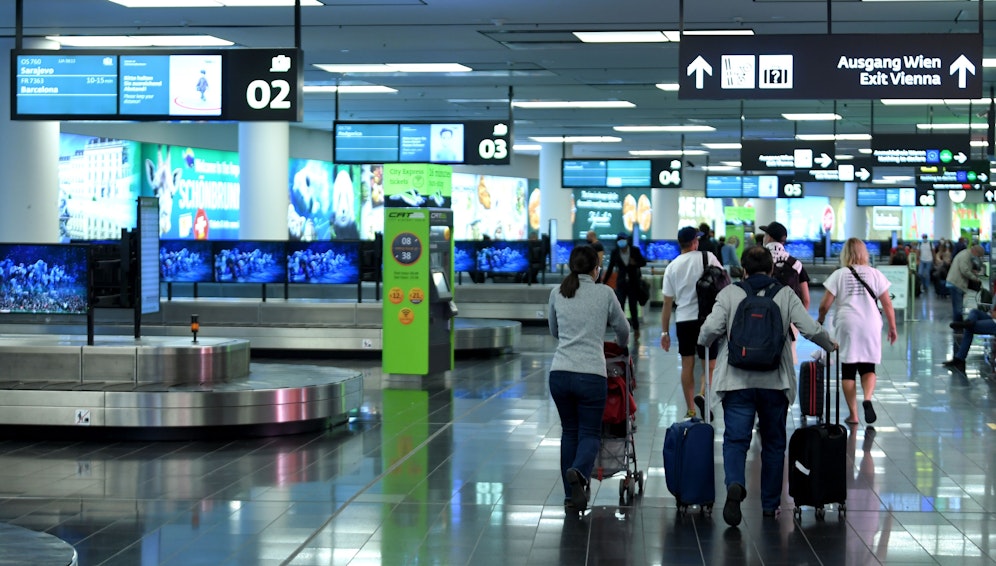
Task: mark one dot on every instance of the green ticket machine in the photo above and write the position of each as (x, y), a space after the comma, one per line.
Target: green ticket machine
(418, 291)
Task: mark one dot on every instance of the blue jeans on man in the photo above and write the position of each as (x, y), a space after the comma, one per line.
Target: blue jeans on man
(771, 408)
(957, 302)
(580, 400)
(978, 322)
(923, 272)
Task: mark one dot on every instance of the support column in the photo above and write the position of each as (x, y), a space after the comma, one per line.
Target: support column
(555, 201)
(943, 226)
(855, 217)
(29, 159)
(764, 211)
(666, 215)
(264, 150)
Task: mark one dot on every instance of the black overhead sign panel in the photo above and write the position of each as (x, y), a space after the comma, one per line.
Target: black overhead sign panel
(855, 66)
(900, 150)
(962, 174)
(778, 155)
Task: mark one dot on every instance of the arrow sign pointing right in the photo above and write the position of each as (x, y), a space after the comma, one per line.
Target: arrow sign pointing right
(824, 160)
(961, 157)
(863, 174)
(700, 66)
(962, 66)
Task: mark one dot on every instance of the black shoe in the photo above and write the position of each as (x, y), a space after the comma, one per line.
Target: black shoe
(870, 415)
(956, 363)
(579, 500)
(771, 512)
(959, 325)
(731, 511)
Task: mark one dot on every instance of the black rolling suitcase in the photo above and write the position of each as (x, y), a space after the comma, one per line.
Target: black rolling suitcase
(818, 460)
(811, 389)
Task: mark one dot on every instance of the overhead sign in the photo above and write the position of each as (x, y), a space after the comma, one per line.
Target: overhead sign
(742, 186)
(861, 66)
(790, 188)
(859, 170)
(778, 155)
(960, 175)
(484, 142)
(886, 196)
(225, 85)
(620, 173)
(665, 173)
(925, 197)
(915, 149)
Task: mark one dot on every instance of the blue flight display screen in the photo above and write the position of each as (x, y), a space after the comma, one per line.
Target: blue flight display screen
(627, 173)
(366, 143)
(724, 186)
(78, 85)
(584, 173)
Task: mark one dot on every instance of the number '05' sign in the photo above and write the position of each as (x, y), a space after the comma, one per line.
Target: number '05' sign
(264, 85)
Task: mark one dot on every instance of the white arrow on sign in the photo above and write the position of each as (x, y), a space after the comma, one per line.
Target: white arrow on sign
(961, 157)
(823, 160)
(863, 174)
(962, 66)
(983, 177)
(700, 66)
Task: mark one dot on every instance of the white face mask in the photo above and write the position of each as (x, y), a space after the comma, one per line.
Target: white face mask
(622, 243)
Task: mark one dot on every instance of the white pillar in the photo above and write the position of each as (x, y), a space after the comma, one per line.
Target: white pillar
(855, 217)
(943, 227)
(555, 201)
(665, 215)
(764, 212)
(264, 150)
(29, 159)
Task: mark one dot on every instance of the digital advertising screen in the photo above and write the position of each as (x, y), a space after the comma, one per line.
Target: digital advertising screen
(802, 250)
(505, 257)
(185, 261)
(661, 250)
(43, 278)
(451, 143)
(464, 255)
(336, 262)
(249, 262)
(489, 205)
(562, 252)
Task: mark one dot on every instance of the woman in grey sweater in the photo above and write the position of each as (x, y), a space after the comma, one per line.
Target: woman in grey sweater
(579, 311)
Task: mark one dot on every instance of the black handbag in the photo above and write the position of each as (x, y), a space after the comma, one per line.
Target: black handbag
(643, 292)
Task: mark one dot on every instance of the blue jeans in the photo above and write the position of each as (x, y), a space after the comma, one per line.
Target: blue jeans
(923, 271)
(982, 323)
(580, 399)
(957, 302)
(771, 408)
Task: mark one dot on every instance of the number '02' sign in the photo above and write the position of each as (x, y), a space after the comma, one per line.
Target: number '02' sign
(263, 85)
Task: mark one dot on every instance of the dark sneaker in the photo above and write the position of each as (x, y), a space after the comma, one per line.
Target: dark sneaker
(731, 511)
(700, 403)
(959, 325)
(870, 415)
(956, 363)
(579, 500)
(771, 512)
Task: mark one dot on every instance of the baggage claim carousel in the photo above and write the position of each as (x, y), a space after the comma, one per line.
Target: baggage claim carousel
(165, 385)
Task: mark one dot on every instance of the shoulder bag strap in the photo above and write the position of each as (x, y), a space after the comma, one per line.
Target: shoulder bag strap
(854, 272)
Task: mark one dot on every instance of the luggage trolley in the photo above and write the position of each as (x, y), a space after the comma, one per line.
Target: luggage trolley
(618, 452)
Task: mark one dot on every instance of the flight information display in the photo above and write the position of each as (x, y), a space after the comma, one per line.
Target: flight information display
(236, 84)
(893, 196)
(742, 186)
(604, 173)
(472, 143)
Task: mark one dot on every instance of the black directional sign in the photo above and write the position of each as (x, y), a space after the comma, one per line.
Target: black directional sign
(925, 197)
(790, 188)
(856, 170)
(778, 155)
(855, 66)
(665, 173)
(962, 174)
(898, 150)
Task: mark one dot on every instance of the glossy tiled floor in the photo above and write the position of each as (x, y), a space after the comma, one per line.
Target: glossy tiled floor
(462, 470)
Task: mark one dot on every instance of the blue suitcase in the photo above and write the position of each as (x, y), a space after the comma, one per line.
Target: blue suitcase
(689, 468)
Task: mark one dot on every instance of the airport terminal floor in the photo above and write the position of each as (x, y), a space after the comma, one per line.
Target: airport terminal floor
(462, 469)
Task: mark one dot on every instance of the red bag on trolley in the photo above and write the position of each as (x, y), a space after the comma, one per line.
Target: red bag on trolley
(615, 410)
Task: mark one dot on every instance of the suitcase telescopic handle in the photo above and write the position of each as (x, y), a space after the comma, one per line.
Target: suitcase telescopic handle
(836, 356)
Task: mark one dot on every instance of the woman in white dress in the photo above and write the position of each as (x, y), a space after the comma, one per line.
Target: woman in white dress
(856, 325)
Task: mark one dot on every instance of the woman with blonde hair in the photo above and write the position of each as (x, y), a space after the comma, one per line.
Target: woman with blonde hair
(852, 291)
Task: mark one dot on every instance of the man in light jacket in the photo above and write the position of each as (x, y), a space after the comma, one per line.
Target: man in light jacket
(960, 274)
(746, 393)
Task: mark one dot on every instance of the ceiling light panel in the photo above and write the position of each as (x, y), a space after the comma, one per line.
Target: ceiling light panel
(621, 36)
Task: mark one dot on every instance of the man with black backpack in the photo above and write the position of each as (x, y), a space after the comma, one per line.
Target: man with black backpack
(692, 296)
(755, 374)
(788, 270)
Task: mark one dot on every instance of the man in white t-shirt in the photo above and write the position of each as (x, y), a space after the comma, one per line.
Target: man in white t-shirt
(679, 289)
(926, 265)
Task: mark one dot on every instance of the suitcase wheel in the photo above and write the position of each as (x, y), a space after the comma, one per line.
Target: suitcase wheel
(639, 480)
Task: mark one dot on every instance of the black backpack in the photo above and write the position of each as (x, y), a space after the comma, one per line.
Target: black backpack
(786, 274)
(757, 336)
(710, 283)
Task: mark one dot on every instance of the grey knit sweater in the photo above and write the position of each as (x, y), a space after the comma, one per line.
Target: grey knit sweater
(579, 325)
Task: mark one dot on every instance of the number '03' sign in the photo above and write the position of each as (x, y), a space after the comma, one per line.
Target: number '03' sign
(487, 142)
(264, 85)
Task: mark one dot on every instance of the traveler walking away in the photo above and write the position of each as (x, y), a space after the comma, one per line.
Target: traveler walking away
(856, 323)
(963, 278)
(681, 302)
(925, 264)
(764, 394)
(788, 270)
(627, 261)
(580, 309)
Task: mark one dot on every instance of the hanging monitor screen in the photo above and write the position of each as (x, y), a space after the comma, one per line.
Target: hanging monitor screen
(604, 173)
(471, 143)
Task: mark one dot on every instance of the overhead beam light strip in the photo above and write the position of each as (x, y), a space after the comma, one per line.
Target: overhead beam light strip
(213, 3)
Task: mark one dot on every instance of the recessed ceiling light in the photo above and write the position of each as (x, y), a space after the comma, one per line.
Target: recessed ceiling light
(572, 104)
(732, 163)
(812, 116)
(933, 101)
(978, 143)
(140, 40)
(667, 152)
(349, 89)
(621, 36)
(724, 145)
(833, 137)
(668, 87)
(979, 126)
(212, 3)
(865, 150)
(686, 128)
(738, 31)
(989, 62)
(720, 168)
(527, 147)
(575, 139)
(843, 157)
(394, 68)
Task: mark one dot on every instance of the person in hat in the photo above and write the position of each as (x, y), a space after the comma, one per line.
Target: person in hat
(788, 270)
(678, 287)
(627, 261)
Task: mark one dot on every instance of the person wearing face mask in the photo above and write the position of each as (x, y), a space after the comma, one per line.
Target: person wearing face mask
(627, 261)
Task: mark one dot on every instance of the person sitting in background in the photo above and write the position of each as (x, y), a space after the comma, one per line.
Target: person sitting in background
(962, 277)
(977, 322)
